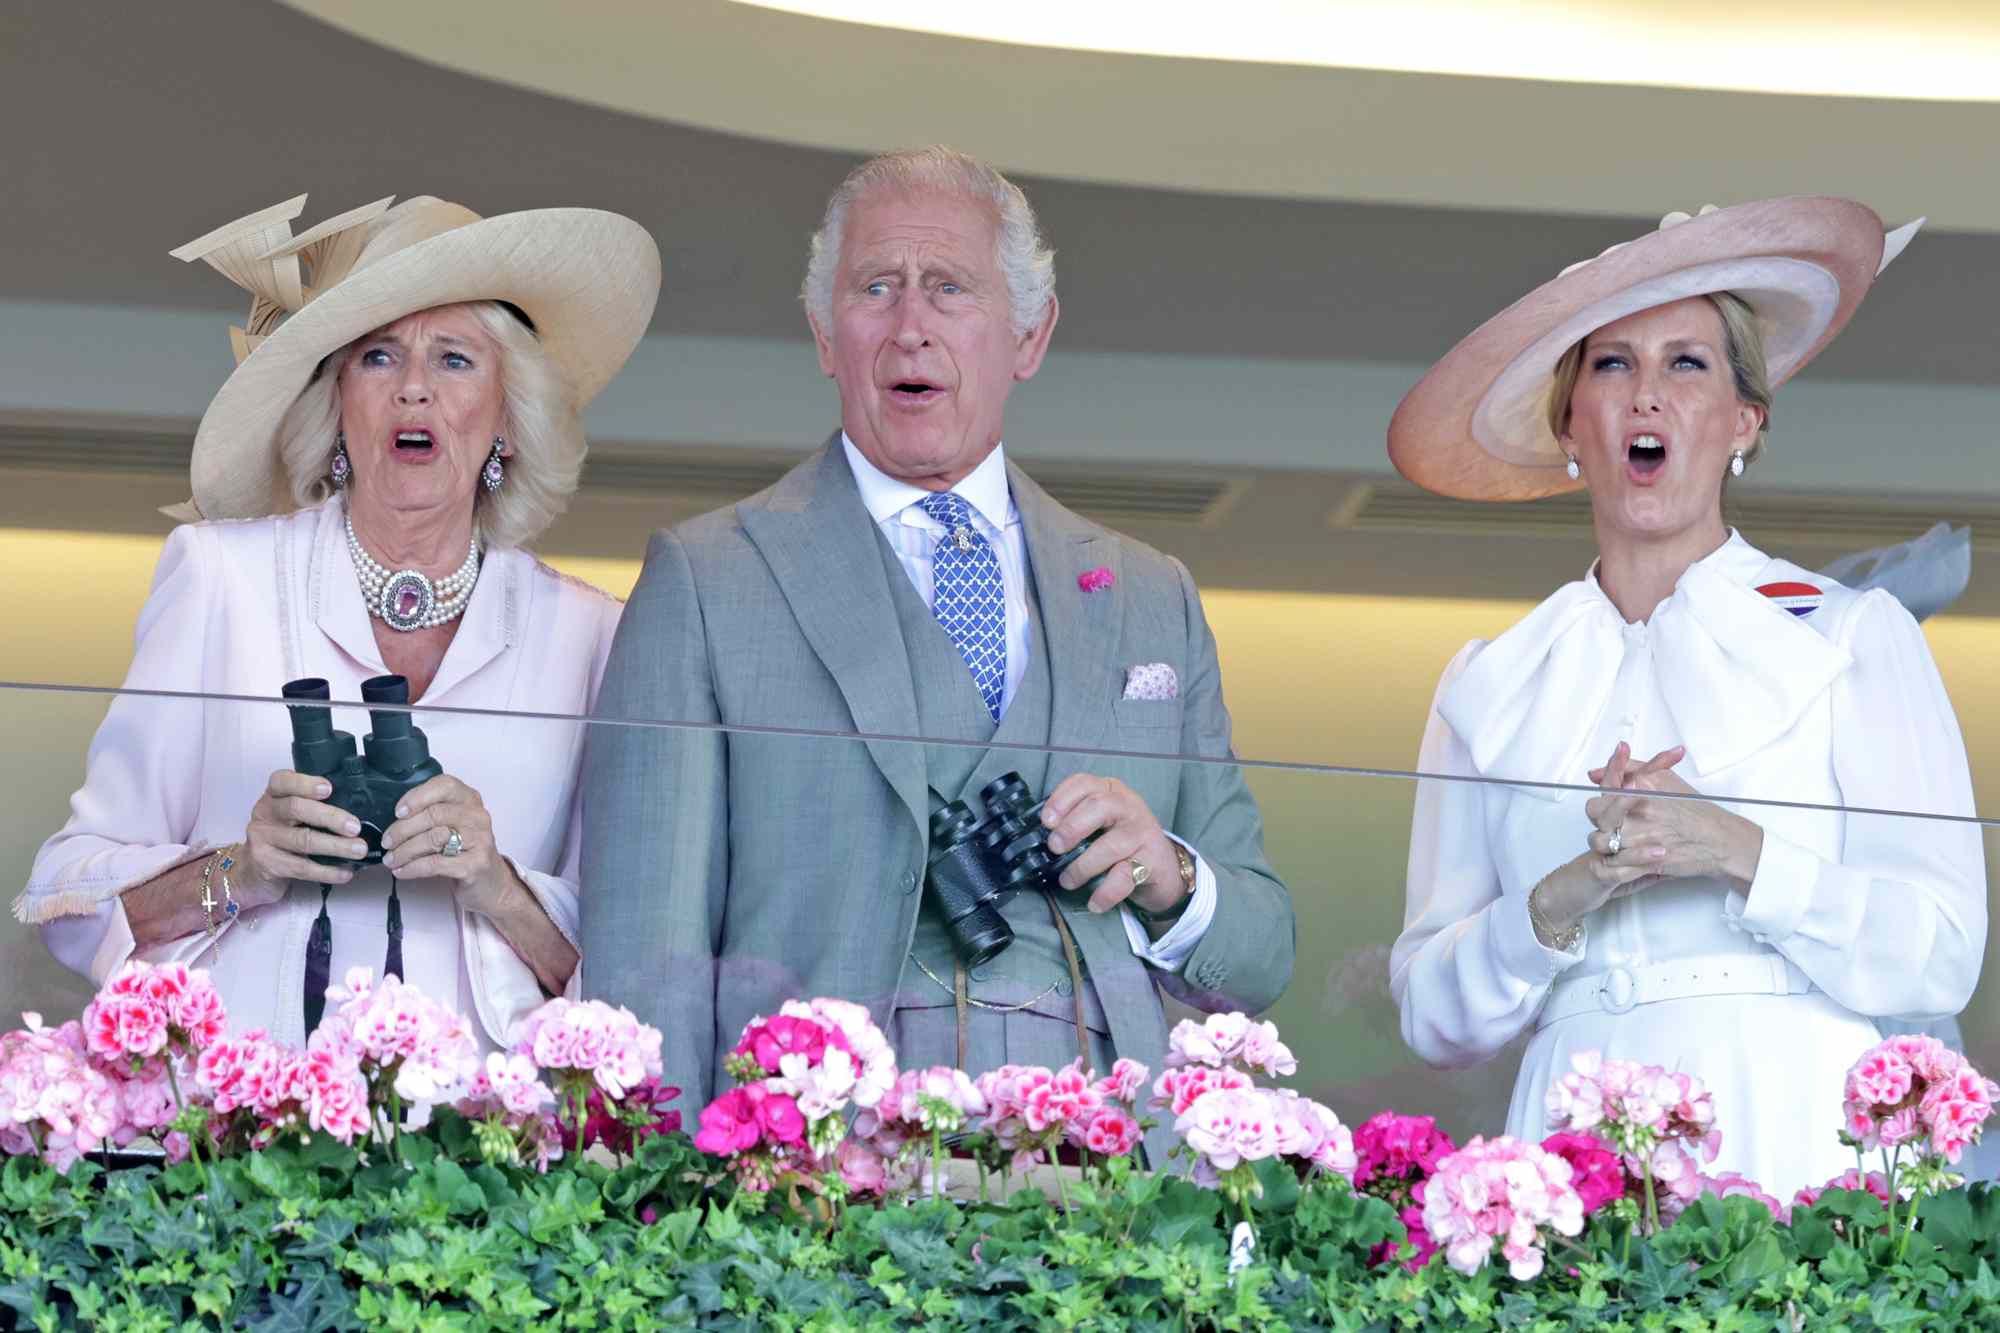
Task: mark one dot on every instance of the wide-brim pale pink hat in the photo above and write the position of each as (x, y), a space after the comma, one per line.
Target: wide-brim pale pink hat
(1476, 426)
(587, 280)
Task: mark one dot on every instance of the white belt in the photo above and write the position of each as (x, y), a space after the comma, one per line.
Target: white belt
(1622, 988)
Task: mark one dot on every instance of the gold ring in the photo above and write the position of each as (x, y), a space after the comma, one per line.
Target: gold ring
(1140, 874)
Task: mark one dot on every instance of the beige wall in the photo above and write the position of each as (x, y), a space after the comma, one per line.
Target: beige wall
(1310, 679)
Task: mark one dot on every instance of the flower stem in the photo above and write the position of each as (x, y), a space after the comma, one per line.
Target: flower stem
(1910, 1216)
(194, 1138)
(1890, 1159)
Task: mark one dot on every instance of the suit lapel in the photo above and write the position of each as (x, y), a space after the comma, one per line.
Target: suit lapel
(1083, 628)
(1084, 631)
(822, 548)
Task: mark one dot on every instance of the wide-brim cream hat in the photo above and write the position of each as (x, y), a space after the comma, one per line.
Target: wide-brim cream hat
(1476, 426)
(586, 280)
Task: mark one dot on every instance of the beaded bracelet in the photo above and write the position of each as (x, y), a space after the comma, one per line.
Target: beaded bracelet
(221, 859)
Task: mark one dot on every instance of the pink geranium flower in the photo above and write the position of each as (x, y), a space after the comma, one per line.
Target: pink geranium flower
(1229, 1126)
(1124, 1083)
(729, 1125)
(1500, 1195)
(1111, 1133)
(1916, 1090)
(1179, 1088)
(1874, 1183)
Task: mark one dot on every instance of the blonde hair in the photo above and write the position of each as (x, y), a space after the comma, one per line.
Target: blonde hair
(544, 430)
(1025, 259)
(1742, 345)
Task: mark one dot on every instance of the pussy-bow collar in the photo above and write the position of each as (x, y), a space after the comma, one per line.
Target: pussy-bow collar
(1736, 669)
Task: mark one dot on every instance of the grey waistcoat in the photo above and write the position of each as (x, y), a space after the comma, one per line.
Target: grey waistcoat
(949, 708)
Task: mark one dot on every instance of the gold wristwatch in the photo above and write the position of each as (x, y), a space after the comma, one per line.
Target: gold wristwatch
(1174, 913)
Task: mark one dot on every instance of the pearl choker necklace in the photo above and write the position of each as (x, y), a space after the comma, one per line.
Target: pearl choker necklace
(407, 600)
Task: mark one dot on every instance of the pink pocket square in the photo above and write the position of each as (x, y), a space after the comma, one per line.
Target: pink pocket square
(1152, 680)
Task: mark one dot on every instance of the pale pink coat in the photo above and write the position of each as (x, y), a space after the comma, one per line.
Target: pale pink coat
(239, 608)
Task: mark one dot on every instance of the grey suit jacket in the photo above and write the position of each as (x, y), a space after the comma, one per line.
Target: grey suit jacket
(725, 871)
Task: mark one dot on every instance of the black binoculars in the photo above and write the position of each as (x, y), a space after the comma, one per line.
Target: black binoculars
(398, 758)
(976, 864)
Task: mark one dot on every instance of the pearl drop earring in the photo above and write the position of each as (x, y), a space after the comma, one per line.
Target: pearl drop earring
(1574, 471)
(1736, 464)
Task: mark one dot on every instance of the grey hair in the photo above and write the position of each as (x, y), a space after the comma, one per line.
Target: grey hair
(544, 430)
(1025, 259)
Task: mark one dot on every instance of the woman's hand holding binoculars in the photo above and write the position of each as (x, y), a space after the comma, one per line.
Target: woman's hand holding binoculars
(289, 824)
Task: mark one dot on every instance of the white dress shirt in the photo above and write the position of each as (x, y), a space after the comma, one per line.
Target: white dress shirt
(897, 508)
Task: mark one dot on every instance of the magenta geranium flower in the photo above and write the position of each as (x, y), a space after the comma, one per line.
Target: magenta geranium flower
(1598, 1173)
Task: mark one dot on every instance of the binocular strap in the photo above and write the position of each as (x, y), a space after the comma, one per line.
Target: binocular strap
(319, 953)
(319, 960)
(961, 1002)
(1075, 978)
(392, 961)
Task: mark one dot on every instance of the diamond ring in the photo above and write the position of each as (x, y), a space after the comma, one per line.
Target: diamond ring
(453, 844)
(1616, 842)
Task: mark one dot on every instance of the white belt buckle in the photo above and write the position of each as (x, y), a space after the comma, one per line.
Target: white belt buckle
(1619, 991)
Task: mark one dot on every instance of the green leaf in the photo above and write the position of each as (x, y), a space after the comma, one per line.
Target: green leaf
(1183, 1210)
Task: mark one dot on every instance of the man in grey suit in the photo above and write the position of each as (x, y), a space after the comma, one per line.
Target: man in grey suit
(906, 581)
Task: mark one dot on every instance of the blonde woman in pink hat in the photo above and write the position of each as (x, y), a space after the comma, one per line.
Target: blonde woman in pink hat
(1751, 945)
(405, 417)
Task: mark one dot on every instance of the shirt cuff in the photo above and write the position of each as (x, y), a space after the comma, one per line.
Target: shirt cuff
(1780, 892)
(117, 946)
(1171, 950)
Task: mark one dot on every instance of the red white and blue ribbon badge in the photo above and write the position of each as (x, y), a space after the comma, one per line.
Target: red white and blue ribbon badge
(1801, 599)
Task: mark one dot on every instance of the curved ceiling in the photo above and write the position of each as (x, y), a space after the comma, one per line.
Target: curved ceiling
(1931, 50)
(1298, 131)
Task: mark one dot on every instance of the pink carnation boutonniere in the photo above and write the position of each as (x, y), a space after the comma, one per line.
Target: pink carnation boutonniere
(1096, 580)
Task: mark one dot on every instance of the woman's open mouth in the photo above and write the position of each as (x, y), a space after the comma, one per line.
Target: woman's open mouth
(414, 444)
(1645, 456)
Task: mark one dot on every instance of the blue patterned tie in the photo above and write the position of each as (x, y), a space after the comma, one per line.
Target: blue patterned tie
(970, 599)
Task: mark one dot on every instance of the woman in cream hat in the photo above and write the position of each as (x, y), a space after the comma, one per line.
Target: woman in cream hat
(404, 418)
(1749, 945)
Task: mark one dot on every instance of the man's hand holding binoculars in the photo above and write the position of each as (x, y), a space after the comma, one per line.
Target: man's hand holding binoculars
(1129, 837)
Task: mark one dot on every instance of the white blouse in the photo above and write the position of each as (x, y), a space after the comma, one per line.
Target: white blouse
(240, 608)
(1829, 699)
